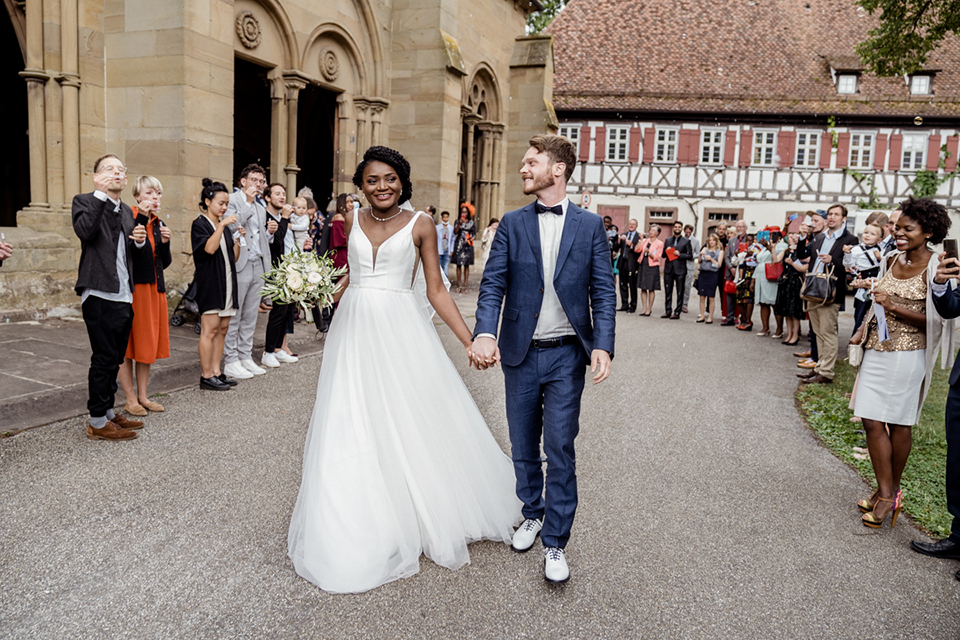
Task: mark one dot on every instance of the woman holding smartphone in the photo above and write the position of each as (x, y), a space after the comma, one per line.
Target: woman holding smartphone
(899, 352)
(215, 255)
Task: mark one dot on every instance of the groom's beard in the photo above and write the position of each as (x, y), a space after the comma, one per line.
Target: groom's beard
(539, 182)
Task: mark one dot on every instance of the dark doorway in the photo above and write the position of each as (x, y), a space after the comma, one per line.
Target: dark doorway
(251, 116)
(15, 160)
(316, 132)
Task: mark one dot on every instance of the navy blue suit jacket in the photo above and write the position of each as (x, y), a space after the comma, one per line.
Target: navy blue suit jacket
(948, 306)
(513, 278)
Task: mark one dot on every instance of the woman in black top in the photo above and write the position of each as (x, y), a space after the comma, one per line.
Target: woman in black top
(215, 255)
(465, 231)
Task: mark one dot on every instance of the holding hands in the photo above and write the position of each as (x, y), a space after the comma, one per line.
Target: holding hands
(483, 353)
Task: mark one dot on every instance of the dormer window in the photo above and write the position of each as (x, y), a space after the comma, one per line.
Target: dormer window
(847, 83)
(921, 85)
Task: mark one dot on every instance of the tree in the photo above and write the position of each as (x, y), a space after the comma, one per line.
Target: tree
(537, 22)
(909, 31)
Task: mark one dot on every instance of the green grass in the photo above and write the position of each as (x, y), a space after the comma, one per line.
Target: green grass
(826, 411)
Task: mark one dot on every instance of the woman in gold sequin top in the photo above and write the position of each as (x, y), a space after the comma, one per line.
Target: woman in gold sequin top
(895, 372)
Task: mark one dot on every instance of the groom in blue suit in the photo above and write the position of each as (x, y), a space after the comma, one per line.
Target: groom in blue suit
(549, 267)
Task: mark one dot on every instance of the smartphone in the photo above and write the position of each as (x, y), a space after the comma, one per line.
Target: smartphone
(763, 235)
(950, 247)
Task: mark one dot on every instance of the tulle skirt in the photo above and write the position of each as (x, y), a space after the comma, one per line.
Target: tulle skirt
(398, 459)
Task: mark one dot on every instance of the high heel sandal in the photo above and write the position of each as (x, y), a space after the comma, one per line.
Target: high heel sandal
(872, 521)
(867, 505)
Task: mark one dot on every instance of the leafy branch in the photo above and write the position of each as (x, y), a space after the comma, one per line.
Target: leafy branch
(908, 32)
(873, 201)
(926, 182)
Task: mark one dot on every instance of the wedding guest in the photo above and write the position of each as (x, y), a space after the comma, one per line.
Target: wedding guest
(721, 232)
(628, 267)
(812, 226)
(746, 289)
(486, 240)
(280, 320)
(691, 263)
(432, 212)
(864, 260)
(465, 230)
(299, 221)
(613, 238)
(736, 238)
(675, 270)
(150, 332)
(250, 212)
(946, 300)
(827, 250)
(711, 257)
(650, 250)
(789, 305)
(765, 290)
(109, 238)
(889, 243)
(445, 242)
(894, 376)
(338, 236)
(214, 256)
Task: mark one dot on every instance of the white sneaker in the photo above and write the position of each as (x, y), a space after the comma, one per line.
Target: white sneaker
(283, 356)
(555, 565)
(269, 360)
(526, 535)
(236, 370)
(252, 367)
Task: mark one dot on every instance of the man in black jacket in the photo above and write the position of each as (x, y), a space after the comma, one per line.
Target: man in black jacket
(826, 252)
(109, 237)
(946, 299)
(675, 271)
(628, 266)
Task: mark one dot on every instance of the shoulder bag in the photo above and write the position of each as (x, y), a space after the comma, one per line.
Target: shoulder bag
(820, 287)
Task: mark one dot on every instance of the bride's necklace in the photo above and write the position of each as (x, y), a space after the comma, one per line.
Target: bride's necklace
(378, 219)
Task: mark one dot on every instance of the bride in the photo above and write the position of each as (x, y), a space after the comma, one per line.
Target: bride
(398, 459)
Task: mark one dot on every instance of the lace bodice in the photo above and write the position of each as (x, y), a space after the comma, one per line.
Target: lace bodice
(392, 265)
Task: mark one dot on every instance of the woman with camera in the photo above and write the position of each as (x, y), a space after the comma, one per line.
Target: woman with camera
(900, 342)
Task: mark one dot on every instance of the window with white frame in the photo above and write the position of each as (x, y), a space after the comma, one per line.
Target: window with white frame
(666, 149)
(921, 85)
(711, 146)
(914, 151)
(764, 147)
(617, 138)
(572, 133)
(808, 144)
(861, 150)
(847, 83)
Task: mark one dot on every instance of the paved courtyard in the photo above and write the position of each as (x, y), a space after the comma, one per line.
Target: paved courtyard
(707, 510)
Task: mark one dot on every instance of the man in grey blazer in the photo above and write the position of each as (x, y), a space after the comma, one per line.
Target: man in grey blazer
(254, 261)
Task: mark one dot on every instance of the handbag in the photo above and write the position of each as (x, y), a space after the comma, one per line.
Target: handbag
(730, 287)
(855, 350)
(773, 270)
(820, 287)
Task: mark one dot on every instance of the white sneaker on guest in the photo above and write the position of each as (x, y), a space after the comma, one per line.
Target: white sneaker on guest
(283, 356)
(555, 567)
(252, 367)
(236, 370)
(526, 535)
(269, 360)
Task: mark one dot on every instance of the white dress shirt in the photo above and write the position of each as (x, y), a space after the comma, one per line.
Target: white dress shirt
(552, 321)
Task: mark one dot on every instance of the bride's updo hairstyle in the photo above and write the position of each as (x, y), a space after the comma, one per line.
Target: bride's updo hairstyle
(210, 189)
(393, 158)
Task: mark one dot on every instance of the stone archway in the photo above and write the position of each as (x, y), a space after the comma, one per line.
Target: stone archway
(482, 142)
(15, 161)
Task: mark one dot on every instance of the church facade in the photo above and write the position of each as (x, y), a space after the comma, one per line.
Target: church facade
(186, 89)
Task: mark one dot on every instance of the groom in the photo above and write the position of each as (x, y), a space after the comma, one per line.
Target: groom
(550, 268)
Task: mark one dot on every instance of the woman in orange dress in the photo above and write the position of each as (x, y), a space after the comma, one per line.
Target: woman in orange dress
(150, 335)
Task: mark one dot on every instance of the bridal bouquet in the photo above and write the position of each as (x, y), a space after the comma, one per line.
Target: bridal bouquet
(305, 279)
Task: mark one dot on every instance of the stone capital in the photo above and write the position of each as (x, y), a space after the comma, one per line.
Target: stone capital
(35, 75)
(69, 80)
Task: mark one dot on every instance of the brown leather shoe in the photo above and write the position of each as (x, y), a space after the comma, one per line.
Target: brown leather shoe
(803, 354)
(817, 379)
(807, 364)
(110, 431)
(150, 405)
(806, 374)
(123, 423)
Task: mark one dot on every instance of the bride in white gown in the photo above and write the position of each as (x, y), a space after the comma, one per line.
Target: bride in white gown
(398, 459)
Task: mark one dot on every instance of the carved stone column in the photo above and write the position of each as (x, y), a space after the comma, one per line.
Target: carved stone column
(470, 171)
(362, 108)
(376, 113)
(293, 85)
(484, 162)
(70, 87)
(497, 170)
(36, 104)
(346, 160)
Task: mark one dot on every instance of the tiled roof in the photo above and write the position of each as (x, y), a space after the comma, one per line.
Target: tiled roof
(730, 56)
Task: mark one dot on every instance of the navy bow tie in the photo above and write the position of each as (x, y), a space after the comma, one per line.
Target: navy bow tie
(556, 209)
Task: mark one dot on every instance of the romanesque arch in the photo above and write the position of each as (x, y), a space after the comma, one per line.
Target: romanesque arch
(482, 145)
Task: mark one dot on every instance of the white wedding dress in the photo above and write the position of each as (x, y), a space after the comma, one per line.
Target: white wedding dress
(398, 459)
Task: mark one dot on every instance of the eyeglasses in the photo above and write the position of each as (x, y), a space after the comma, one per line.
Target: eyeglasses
(108, 169)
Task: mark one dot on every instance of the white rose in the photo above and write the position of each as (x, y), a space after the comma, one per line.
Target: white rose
(313, 277)
(295, 282)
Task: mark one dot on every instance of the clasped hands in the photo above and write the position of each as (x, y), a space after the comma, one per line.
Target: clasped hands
(484, 353)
